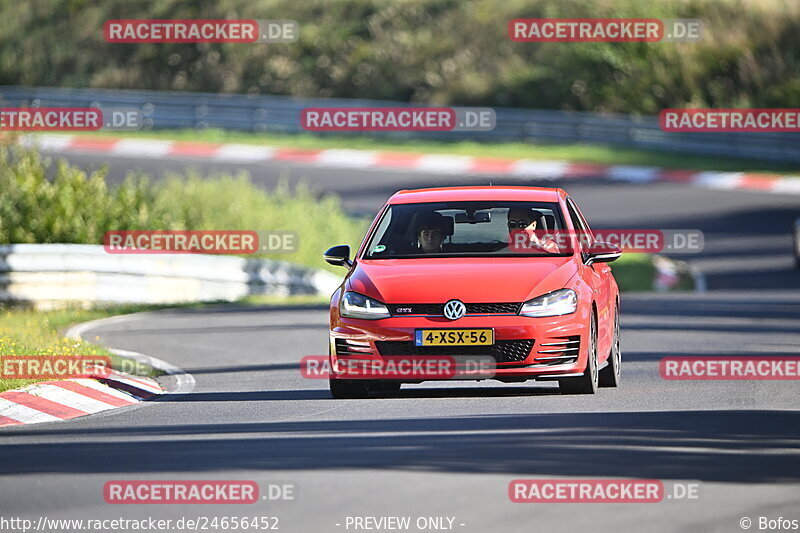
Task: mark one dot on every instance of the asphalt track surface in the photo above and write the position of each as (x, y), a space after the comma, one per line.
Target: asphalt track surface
(451, 449)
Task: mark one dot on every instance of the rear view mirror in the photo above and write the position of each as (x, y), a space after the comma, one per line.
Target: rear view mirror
(473, 218)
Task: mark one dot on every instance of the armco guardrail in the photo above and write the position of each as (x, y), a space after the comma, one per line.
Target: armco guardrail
(52, 274)
(278, 114)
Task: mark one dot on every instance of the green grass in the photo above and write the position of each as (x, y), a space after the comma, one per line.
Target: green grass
(299, 300)
(30, 332)
(26, 331)
(598, 154)
(634, 272)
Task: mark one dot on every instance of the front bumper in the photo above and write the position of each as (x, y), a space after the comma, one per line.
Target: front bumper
(524, 348)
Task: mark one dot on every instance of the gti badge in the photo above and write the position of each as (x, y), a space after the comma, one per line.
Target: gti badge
(455, 309)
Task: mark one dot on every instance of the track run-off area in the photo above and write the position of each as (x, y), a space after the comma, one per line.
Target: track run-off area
(451, 449)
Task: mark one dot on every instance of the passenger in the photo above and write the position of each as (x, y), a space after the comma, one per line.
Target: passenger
(522, 225)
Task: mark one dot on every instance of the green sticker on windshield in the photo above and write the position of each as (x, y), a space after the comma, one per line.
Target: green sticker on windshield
(378, 249)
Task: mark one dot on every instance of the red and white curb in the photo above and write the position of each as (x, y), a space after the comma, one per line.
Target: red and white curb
(51, 401)
(413, 162)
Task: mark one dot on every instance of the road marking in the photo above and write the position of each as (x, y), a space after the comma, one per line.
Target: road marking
(416, 162)
(346, 158)
(444, 164)
(84, 387)
(23, 413)
(549, 170)
(142, 147)
(633, 174)
(69, 398)
(243, 153)
(43, 404)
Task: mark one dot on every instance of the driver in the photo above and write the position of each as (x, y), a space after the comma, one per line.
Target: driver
(431, 229)
(522, 225)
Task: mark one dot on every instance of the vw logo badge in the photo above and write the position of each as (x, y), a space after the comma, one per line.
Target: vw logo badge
(455, 309)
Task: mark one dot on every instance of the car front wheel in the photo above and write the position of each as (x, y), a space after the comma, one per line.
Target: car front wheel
(610, 375)
(588, 382)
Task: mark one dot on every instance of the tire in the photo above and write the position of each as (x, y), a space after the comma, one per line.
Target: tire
(587, 383)
(797, 244)
(611, 374)
(348, 389)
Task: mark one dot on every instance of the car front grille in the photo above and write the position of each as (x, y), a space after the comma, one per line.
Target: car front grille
(438, 309)
(503, 351)
(492, 309)
(558, 351)
(351, 347)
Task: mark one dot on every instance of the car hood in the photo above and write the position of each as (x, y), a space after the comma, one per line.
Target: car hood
(472, 280)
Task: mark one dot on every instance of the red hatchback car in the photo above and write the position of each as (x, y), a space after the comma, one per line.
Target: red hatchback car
(438, 275)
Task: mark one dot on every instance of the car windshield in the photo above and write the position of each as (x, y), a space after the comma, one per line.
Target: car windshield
(473, 229)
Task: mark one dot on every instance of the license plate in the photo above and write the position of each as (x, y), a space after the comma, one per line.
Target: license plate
(454, 337)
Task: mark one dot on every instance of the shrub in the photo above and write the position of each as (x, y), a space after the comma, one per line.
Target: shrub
(42, 202)
(447, 52)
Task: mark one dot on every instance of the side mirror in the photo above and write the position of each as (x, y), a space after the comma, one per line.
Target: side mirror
(603, 252)
(338, 255)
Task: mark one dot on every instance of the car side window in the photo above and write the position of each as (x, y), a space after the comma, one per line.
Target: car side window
(580, 215)
(580, 226)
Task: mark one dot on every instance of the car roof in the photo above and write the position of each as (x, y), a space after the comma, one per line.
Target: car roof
(477, 193)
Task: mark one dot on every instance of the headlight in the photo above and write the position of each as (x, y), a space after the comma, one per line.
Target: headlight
(355, 305)
(560, 302)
